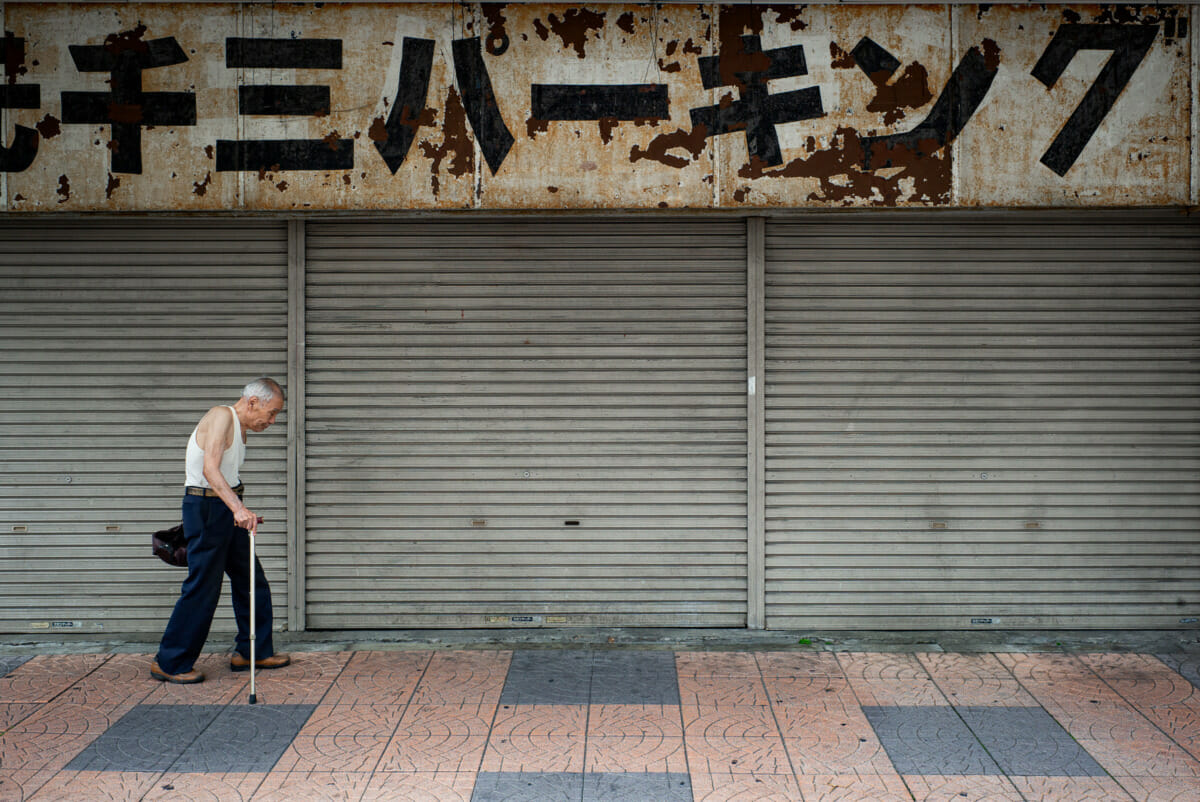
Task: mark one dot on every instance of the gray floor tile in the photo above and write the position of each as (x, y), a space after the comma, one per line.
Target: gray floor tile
(10, 663)
(1027, 741)
(147, 738)
(548, 678)
(195, 738)
(636, 787)
(1188, 665)
(634, 678)
(584, 677)
(501, 786)
(245, 738)
(929, 740)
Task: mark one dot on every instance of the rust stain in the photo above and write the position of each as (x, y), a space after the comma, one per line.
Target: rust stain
(378, 130)
(534, 126)
(346, 179)
(694, 142)
(790, 15)
(200, 188)
(694, 49)
(740, 195)
(496, 41)
(734, 22)
(674, 66)
(64, 189)
(127, 40)
(113, 183)
(921, 175)
(209, 151)
(607, 124)
(456, 140)
(550, 190)
(909, 91)
(332, 139)
(991, 54)
(573, 28)
(625, 22)
(282, 186)
(842, 59)
(49, 127)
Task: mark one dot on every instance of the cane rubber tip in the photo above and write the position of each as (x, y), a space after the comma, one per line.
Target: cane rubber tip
(253, 699)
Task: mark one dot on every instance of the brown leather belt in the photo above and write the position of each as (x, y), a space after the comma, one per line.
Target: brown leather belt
(208, 492)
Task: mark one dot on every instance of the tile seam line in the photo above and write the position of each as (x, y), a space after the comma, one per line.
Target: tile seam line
(399, 720)
(1071, 735)
(687, 762)
(587, 720)
(762, 681)
(837, 656)
(492, 724)
(1137, 709)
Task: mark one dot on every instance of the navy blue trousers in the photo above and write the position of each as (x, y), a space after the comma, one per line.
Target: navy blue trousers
(215, 547)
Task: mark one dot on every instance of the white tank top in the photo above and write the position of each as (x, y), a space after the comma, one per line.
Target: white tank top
(231, 460)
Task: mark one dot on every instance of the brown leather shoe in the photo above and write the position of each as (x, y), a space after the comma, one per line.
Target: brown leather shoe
(239, 663)
(186, 678)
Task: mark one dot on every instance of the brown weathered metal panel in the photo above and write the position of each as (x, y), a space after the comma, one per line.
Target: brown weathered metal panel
(823, 158)
(613, 161)
(72, 170)
(1139, 154)
(531, 106)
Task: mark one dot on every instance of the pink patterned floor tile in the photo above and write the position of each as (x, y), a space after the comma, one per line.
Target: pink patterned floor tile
(435, 752)
(853, 788)
(515, 721)
(722, 691)
(44, 677)
(175, 787)
(341, 753)
(96, 786)
(975, 680)
(724, 787)
(1070, 789)
(890, 679)
(799, 664)
(740, 722)
(1160, 789)
(534, 753)
(646, 753)
(420, 787)
(716, 664)
(737, 755)
(662, 721)
(316, 785)
(932, 788)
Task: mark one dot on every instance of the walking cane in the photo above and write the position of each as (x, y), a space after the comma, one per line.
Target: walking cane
(253, 615)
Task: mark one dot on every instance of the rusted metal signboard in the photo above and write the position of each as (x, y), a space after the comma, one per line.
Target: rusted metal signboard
(376, 106)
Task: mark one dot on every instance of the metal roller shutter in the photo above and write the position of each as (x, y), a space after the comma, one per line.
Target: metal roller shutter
(983, 420)
(115, 336)
(526, 422)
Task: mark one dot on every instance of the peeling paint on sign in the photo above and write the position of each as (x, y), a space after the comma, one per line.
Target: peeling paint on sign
(308, 106)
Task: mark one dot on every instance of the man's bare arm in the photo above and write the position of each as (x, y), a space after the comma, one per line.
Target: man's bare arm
(214, 435)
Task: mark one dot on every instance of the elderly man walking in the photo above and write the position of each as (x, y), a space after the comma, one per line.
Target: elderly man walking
(216, 524)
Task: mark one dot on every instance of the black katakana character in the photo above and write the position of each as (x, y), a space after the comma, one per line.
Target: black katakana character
(966, 89)
(495, 140)
(235, 155)
(1129, 44)
(416, 64)
(599, 102)
(125, 106)
(757, 112)
(27, 96)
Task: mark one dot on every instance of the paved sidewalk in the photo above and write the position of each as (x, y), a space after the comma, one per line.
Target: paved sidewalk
(620, 724)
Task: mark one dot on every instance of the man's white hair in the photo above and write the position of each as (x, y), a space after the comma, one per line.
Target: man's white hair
(263, 389)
